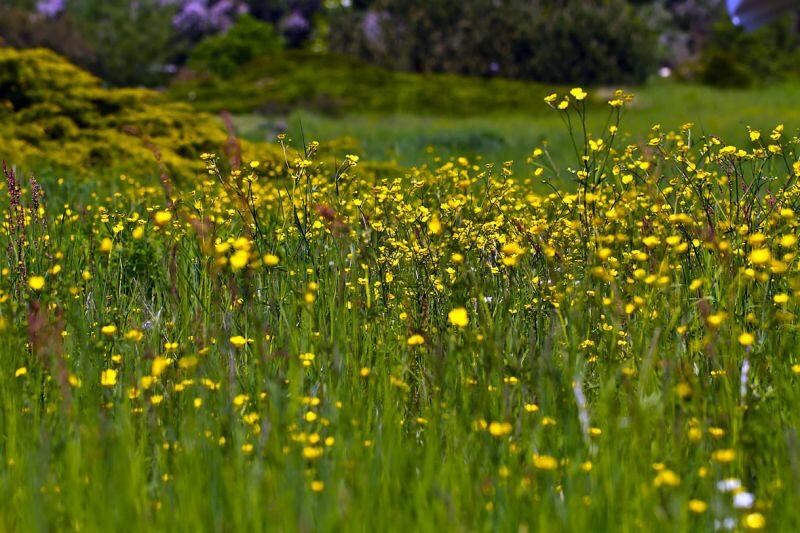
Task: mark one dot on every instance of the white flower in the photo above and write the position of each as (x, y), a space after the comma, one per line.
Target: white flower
(729, 485)
(743, 500)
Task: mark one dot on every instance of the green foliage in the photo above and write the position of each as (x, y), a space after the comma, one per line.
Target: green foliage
(406, 137)
(556, 42)
(298, 348)
(335, 84)
(122, 43)
(55, 114)
(223, 54)
(21, 29)
(736, 58)
(596, 43)
(132, 41)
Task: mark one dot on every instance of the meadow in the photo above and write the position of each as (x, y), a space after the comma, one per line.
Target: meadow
(598, 338)
(403, 117)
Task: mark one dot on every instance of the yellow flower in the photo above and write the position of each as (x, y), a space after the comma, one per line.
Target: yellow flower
(317, 486)
(238, 341)
(239, 259)
(667, 478)
(134, 335)
(578, 93)
(746, 339)
(313, 452)
(651, 241)
(108, 330)
(788, 240)
(698, 506)
(754, 521)
(458, 317)
(511, 252)
(106, 245)
(108, 378)
(760, 256)
(724, 456)
(716, 319)
(500, 429)
(21, 371)
(162, 217)
(416, 340)
(36, 282)
(544, 462)
(160, 364)
(271, 260)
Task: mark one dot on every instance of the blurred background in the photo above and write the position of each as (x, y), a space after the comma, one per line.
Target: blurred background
(392, 78)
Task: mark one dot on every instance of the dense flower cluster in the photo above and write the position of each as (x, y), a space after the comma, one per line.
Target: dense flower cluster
(617, 350)
(190, 15)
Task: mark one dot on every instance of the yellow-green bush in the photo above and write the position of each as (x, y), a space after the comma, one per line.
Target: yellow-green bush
(55, 114)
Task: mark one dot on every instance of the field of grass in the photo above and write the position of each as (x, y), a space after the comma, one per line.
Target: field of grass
(600, 336)
(335, 85)
(397, 116)
(498, 135)
(293, 346)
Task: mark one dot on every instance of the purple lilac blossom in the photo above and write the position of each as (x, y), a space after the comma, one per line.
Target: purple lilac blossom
(296, 22)
(204, 15)
(50, 8)
(372, 26)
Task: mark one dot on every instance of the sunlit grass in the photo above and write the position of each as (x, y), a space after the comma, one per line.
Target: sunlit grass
(306, 345)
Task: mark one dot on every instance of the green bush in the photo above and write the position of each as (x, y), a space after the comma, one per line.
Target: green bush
(21, 29)
(223, 54)
(603, 42)
(557, 42)
(333, 84)
(124, 44)
(736, 58)
(55, 115)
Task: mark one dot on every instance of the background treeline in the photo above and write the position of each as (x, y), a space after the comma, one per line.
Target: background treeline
(145, 42)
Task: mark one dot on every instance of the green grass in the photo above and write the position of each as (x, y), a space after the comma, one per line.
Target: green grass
(297, 347)
(336, 84)
(397, 116)
(497, 137)
(587, 389)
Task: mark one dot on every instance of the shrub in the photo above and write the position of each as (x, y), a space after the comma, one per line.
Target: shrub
(123, 43)
(20, 29)
(736, 58)
(55, 114)
(247, 39)
(591, 42)
(133, 41)
(559, 42)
